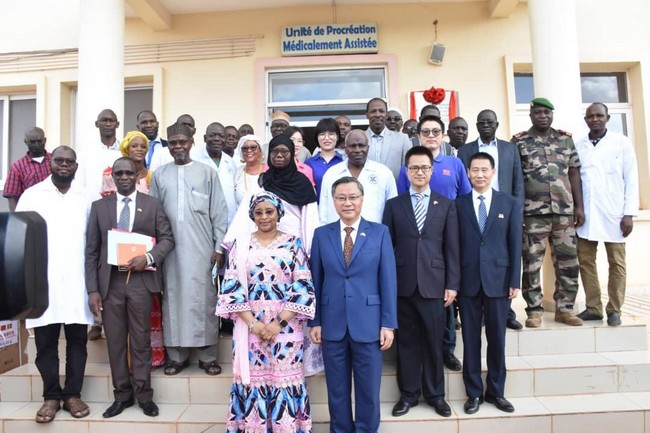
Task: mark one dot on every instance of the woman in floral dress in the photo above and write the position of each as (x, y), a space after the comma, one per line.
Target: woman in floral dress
(269, 293)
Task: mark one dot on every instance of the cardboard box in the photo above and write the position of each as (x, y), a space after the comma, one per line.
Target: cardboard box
(13, 345)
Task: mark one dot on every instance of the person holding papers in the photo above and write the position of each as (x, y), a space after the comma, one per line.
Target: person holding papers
(122, 293)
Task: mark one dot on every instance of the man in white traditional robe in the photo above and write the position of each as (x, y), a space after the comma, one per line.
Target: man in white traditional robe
(64, 206)
(194, 202)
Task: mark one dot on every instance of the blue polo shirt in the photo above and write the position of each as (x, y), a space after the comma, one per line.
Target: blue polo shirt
(449, 178)
(319, 166)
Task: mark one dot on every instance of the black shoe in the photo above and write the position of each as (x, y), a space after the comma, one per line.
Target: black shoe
(588, 315)
(149, 408)
(613, 318)
(500, 402)
(402, 407)
(451, 362)
(514, 324)
(440, 406)
(472, 404)
(95, 332)
(117, 408)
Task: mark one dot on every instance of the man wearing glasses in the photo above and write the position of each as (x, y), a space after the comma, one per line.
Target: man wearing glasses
(377, 180)
(424, 229)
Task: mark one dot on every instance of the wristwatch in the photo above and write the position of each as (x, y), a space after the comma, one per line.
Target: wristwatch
(283, 323)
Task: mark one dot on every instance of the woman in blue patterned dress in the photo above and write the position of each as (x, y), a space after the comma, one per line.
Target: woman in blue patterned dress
(269, 294)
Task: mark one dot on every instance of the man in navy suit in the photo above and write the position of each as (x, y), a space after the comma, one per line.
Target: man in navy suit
(353, 268)
(490, 252)
(509, 178)
(424, 229)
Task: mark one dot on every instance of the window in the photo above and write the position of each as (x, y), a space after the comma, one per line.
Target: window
(17, 114)
(309, 95)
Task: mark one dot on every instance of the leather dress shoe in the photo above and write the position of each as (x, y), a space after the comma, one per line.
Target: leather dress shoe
(500, 403)
(440, 406)
(588, 315)
(472, 404)
(149, 408)
(402, 407)
(514, 324)
(451, 362)
(613, 318)
(117, 408)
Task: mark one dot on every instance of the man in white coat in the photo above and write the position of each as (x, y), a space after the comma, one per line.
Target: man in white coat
(64, 206)
(610, 188)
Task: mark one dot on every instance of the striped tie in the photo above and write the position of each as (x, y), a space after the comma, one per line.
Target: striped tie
(420, 212)
(125, 216)
(482, 213)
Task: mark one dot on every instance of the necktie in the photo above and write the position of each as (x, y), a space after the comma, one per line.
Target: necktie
(482, 213)
(152, 145)
(125, 215)
(420, 212)
(347, 245)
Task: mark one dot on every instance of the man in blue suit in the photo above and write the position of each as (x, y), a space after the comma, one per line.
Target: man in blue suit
(490, 252)
(424, 230)
(353, 268)
(509, 176)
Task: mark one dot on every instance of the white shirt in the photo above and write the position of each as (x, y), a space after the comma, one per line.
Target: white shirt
(226, 170)
(610, 186)
(120, 206)
(92, 163)
(157, 161)
(491, 148)
(353, 233)
(378, 186)
(487, 200)
(66, 216)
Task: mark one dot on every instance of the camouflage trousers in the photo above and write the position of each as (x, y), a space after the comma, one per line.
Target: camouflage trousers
(538, 231)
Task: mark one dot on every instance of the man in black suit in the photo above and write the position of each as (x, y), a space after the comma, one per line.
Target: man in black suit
(490, 251)
(424, 231)
(507, 163)
(123, 295)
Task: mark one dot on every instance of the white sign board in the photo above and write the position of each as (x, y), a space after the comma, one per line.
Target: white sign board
(323, 39)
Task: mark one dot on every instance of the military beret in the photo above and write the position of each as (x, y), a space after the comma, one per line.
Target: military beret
(541, 102)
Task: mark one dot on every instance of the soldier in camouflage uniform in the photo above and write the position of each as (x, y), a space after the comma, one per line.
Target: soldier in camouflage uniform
(552, 210)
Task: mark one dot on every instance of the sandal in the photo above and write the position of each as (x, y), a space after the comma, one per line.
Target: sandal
(172, 368)
(48, 411)
(211, 368)
(76, 407)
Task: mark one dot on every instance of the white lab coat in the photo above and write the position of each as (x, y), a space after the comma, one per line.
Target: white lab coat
(610, 186)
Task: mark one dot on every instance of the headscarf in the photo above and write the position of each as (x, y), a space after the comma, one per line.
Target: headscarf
(126, 142)
(287, 183)
(268, 197)
(243, 140)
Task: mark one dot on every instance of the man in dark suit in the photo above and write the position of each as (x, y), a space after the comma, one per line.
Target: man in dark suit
(353, 268)
(147, 123)
(509, 178)
(490, 251)
(424, 230)
(123, 295)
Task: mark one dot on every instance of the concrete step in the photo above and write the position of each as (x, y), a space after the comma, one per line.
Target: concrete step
(528, 376)
(602, 413)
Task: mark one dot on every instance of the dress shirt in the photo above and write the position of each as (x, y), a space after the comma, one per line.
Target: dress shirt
(425, 199)
(353, 233)
(476, 202)
(376, 143)
(492, 149)
(120, 205)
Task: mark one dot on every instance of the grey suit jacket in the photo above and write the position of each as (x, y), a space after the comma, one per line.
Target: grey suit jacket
(511, 179)
(392, 150)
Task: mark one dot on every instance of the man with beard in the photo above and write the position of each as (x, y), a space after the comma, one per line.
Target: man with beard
(193, 201)
(457, 133)
(214, 155)
(377, 180)
(30, 169)
(232, 138)
(123, 294)
(64, 207)
(386, 147)
(148, 125)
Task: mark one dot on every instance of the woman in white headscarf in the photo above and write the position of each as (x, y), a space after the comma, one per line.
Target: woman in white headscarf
(249, 150)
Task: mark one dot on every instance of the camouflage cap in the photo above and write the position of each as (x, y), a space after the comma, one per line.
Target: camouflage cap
(541, 102)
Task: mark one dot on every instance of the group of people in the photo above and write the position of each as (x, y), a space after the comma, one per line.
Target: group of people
(321, 260)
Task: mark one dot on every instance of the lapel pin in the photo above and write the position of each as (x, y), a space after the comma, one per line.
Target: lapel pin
(139, 210)
(501, 216)
(435, 202)
(362, 234)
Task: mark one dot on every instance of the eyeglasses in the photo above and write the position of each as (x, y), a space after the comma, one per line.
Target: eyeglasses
(393, 119)
(427, 132)
(342, 199)
(279, 125)
(249, 148)
(415, 168)
(282, 152)
(327, 134)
